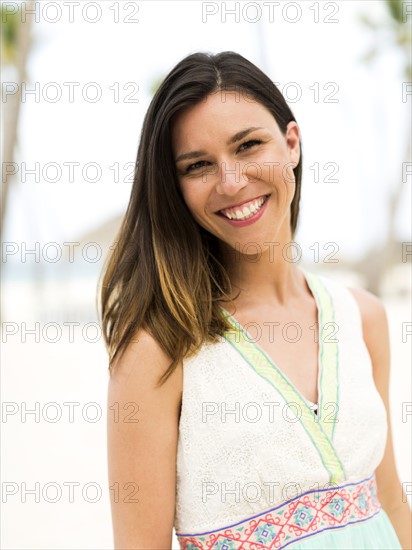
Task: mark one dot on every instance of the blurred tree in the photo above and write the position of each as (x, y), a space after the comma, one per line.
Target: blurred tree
(15, 46)
(397, 31)
(394, 30)
(9, 25)
(155, 84)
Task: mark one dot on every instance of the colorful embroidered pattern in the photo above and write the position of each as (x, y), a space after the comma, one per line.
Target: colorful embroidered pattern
(320, 430)
(304, 516)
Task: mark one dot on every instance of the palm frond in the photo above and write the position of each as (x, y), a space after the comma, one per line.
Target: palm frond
(395, 8)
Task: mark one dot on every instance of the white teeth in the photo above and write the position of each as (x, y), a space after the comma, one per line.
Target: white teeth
(246, 212)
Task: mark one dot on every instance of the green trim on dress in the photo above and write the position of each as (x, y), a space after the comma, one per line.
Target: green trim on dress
(318, 429)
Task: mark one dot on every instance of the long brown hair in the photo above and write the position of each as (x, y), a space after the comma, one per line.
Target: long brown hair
(165, 273)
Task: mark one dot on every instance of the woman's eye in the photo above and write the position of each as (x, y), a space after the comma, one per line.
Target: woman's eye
(195, 166)
(201, 163)
(250, 143)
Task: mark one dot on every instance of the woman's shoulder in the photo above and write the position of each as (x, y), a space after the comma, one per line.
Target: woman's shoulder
(374, 319)
(361, 307)
(368, 303)
(140, 366)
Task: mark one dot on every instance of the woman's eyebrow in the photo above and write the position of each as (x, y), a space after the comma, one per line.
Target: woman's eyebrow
(236, 137)
(240, 135)
(191, 155)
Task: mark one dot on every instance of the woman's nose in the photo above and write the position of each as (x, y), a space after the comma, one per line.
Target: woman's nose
(231, 178)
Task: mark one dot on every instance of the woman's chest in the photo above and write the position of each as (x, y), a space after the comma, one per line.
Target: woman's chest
(239, 421)
(290, 343)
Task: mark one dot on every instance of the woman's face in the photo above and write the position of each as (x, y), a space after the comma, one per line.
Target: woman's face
(230, 152)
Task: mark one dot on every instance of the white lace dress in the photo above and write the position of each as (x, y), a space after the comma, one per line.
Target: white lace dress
(258, 468)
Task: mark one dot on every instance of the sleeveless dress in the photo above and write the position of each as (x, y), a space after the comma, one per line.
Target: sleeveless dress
(258, 467)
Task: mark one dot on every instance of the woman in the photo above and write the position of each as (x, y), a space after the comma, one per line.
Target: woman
(265, 437)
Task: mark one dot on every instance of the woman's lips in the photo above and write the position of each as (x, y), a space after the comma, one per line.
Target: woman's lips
(242, 204)
(248, 221)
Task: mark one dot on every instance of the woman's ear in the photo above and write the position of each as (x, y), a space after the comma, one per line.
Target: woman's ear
(293, 142)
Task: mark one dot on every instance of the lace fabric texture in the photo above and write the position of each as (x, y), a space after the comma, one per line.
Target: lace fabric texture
(244, 448)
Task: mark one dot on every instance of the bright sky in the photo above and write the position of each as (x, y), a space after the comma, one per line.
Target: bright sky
(364, 133)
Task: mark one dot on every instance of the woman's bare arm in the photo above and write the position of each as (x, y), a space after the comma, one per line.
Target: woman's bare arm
(142, 435)
(376, 336)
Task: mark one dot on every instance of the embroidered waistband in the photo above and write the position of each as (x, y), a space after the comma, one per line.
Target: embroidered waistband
(304, 516)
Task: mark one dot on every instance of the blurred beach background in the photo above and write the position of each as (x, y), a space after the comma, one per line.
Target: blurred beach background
(68, 153)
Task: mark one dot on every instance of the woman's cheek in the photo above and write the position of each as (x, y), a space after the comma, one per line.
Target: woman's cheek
(194, 200)
(288, 174)
(271, 171)
(268, 165)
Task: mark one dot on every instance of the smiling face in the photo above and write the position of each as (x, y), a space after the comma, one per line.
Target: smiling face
(230, 152)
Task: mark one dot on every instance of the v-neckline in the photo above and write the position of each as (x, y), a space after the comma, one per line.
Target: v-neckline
(319, 316)
(320, 427)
